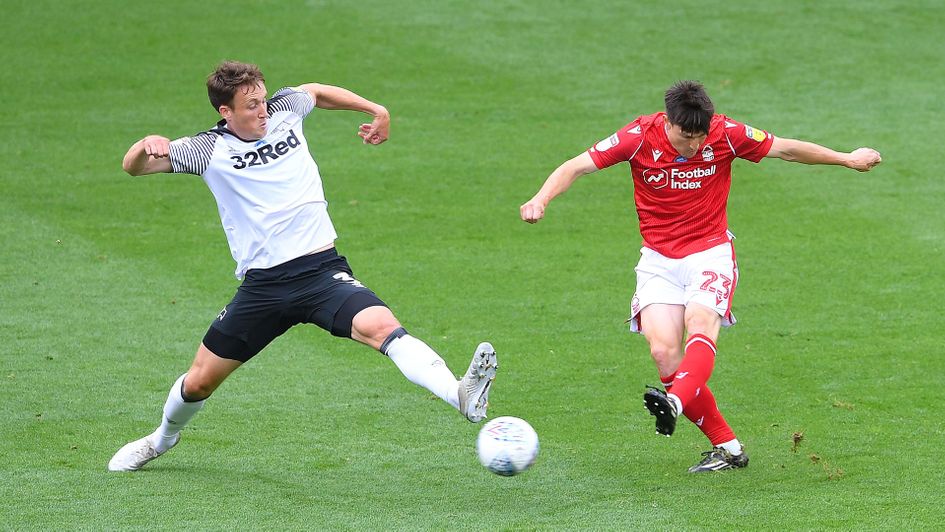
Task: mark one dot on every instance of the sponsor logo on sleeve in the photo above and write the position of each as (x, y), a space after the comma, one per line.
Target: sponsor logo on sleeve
(756, 135)
(607, 143)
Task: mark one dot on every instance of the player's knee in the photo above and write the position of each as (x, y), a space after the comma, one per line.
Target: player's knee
(666, 356)
(381, 330)
(196, 389)
(376, 323)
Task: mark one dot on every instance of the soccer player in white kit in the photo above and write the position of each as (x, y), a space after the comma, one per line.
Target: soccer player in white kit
(680, 163)
(269, 194)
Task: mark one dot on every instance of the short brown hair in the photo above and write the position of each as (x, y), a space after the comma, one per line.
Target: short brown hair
(689, 107)
(229, 76)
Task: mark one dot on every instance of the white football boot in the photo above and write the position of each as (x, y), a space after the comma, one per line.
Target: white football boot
(134, 455)
(475, 384)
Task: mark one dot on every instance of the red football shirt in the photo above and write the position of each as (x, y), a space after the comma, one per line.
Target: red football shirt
(681, 203)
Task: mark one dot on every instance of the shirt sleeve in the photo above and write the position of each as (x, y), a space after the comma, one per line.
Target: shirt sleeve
(293, 99)
(191, 155)
(619, 147)
(747, 142)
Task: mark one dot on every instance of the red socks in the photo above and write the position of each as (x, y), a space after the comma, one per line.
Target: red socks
(698, 402)
(696, 368)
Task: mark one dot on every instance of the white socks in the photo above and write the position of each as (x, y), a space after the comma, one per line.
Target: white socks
(177, 413)
(672, 397)
(423, 367)
(733, 447)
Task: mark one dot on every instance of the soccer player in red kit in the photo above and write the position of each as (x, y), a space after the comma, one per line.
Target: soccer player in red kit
(681, 164)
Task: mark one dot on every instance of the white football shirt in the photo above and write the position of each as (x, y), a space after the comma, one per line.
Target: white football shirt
(268, 191)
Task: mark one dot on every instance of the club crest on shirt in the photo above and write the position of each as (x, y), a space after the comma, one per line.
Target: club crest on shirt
(707, 153)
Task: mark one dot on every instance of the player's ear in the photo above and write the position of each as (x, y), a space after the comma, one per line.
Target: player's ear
(225, 112)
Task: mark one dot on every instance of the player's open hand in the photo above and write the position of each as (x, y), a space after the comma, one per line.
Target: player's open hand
(864, 159)
(377, 131)
(532, 211)
(156, 146)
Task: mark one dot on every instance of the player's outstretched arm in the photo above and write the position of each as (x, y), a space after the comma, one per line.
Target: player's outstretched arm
(331, 97)
(557, 183)
(148, 156)
(860, 159)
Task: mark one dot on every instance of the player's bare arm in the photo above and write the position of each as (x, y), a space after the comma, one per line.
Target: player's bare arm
(557, 183)
(148, 156)
(861, 159)
(331, 97)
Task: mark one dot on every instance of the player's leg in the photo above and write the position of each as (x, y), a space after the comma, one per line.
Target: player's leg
(348, 309)
(188, 394)
(713, 277)
(246, 325)
(703, 326)
(657, 311)
(185, 398)
(663, 325)
(377, 327)
(710, 279)
(698, 360)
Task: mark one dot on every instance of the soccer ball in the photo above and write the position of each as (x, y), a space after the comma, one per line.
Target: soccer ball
(507, 446)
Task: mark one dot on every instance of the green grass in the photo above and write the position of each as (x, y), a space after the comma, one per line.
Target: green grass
(108, 282)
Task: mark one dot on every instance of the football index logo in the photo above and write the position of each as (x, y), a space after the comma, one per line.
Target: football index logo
(676, 178)
(691, 179)
(656, 178)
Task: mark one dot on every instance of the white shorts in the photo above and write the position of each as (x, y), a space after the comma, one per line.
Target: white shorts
(708, 277)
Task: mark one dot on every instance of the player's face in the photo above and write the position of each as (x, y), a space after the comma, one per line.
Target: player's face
(686, 142)
(247, 117)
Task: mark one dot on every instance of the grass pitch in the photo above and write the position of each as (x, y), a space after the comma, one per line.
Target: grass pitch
(832, 378)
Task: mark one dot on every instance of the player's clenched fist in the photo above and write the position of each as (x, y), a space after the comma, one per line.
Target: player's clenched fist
(864, 159)
(532, 211)
(156, 146)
